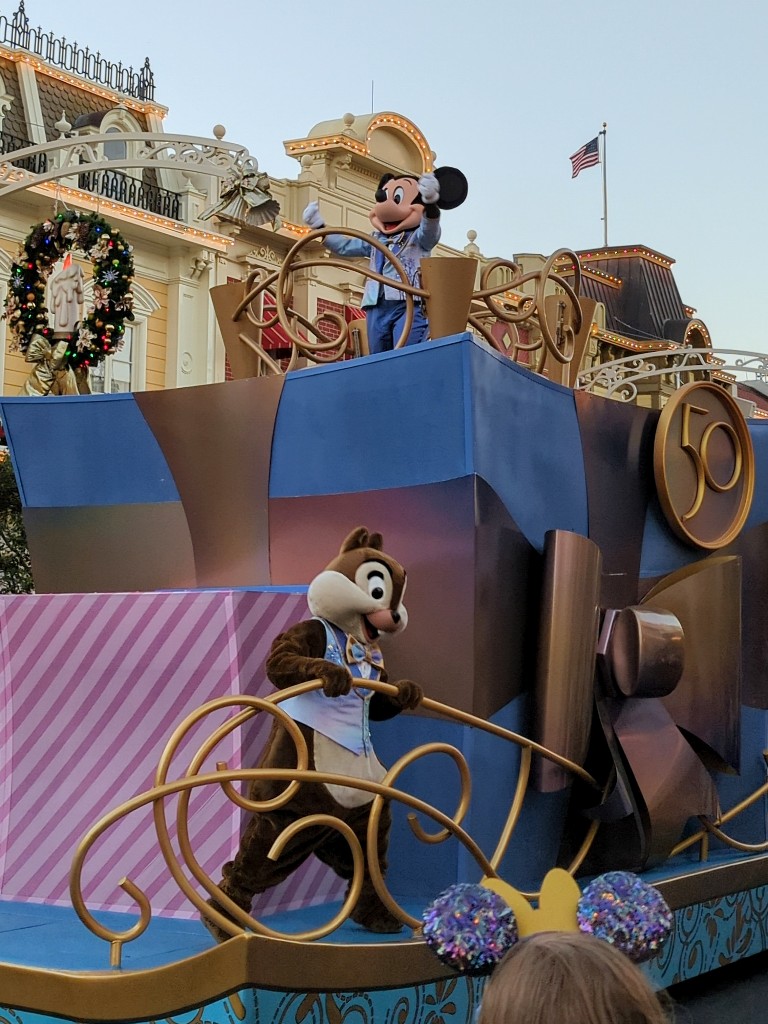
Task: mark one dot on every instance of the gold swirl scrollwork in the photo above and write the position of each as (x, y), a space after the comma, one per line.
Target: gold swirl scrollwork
(224, 778)
(115, 939)
(556, 339)
(284, 287)
(260, 283)
(313, 344)
(257, 284)
(550, 333)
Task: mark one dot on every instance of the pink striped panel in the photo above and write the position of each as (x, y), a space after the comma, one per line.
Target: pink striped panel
(91, 688)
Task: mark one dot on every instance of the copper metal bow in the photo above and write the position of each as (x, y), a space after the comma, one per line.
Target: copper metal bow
(664, 676)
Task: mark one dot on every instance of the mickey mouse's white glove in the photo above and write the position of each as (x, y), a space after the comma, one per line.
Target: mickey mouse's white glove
(312, 218)
(429, 188)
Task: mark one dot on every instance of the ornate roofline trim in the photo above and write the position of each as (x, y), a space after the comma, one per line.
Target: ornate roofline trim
(627, 252)
(342, 140)
(40, 67)
(408, 128)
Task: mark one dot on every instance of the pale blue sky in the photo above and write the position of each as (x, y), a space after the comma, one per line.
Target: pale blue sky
(506, 92)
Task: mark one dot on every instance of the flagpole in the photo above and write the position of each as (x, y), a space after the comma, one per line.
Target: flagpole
(605, 189)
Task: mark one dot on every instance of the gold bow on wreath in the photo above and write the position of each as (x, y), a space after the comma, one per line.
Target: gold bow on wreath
(51, 374)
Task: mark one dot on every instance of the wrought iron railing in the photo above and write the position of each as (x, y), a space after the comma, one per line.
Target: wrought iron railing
(71, 57)
(38, 163)
(125, 189)
(620, 378)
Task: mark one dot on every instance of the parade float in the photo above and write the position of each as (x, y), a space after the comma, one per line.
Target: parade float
(585, 593)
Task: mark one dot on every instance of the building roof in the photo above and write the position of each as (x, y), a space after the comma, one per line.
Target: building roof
(647, 299)
(386, 139)
(639, 293)
(78, 103)
(14, 121)
(601, 290)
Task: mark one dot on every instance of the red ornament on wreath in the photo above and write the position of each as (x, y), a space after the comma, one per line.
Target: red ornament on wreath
(101, 331)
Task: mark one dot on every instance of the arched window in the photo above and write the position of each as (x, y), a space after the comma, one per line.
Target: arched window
(113, 181)
(117, 150)
(126, 370)
(114, 122)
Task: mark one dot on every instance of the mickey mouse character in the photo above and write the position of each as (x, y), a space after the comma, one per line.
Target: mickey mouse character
(406, 218)
(358, 596)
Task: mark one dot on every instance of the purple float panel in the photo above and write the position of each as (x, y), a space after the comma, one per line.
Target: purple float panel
(469, 574)
(217, 441)
(91, 688)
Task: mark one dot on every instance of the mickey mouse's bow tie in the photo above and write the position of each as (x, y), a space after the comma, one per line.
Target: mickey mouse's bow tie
(358, 652)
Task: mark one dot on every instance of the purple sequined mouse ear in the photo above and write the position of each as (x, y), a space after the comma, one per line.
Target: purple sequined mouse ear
(624, 910)
(469, 927)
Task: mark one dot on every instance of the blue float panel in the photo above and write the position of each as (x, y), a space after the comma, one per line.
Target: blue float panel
(391, 420)
(433, 413)
(527, 445)
(85, 450)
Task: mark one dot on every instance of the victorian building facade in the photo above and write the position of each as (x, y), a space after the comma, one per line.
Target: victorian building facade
(51, 91)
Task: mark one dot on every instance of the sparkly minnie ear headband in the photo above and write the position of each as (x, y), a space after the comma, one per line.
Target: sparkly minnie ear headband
(470, 927)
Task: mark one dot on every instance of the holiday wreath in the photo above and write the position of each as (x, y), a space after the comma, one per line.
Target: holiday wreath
(101, 331)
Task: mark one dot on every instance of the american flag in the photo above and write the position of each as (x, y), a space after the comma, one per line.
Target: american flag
(587, 156)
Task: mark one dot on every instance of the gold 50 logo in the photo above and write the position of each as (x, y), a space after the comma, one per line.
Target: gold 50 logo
(704, 465)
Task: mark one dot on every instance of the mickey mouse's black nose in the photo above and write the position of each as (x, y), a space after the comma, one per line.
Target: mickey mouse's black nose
(380, 195)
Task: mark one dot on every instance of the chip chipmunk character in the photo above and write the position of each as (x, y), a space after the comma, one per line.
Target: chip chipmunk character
(406, 219)
(357, 597)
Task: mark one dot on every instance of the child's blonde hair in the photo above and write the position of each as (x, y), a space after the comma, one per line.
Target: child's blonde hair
(569, 978)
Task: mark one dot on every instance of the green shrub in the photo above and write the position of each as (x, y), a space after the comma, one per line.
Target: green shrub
(15, 567)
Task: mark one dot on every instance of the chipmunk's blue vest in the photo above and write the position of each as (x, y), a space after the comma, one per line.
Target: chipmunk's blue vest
(342, 719)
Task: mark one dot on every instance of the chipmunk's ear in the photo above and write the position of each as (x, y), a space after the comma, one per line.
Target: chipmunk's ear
(361, 538)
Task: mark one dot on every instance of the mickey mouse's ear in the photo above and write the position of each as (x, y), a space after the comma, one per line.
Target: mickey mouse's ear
(469, 927)
(453, 187)
(627, 912)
